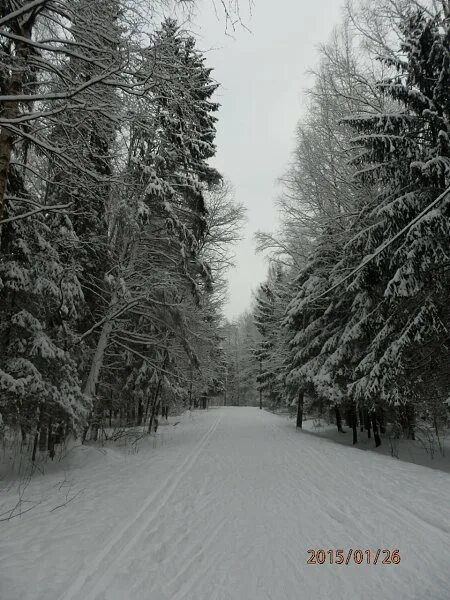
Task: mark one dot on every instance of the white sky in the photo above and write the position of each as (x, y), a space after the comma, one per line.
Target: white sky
(263, 74)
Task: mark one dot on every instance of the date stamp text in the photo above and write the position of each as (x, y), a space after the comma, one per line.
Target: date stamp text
(357, 556)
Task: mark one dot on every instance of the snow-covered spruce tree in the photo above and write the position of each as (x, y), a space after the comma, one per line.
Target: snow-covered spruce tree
(406, 153)
(270, 352)
(88, 134)
(264, 320)
(157, 248)
(54, 108)
(327, 205)
(315, 325)
(39, 298)
(183, 125)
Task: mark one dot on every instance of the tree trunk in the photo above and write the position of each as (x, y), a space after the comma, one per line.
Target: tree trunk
(368, 424)
(11, 109)
(260, 386)
(94, 436)
(154, 406)
(337, 413)
(85, 432)
(6, 144)
(321, 409)
(157, 392)
(376, 433)
(97, 361)
(435, 425)
(23, 433)
(361, 419)
(90, 388)
(190, 388)
(381, 420)
(154, 417)
(300, 409)
(37, 432)
(354, 424)
(140, 413)
(43, 437)
(35, 445)
(51, 440)
(411, 422)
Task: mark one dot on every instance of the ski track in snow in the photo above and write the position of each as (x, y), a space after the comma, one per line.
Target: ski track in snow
(227, 510)
(103, 566)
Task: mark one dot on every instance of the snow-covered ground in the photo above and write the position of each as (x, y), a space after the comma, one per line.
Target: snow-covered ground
(224, 506)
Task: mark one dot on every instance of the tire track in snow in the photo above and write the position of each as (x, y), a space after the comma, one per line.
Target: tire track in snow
(105, 563)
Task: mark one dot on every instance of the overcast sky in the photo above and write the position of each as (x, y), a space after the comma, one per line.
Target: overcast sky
(262, 74)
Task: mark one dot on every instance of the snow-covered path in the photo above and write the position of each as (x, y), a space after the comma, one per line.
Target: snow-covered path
(226, 509)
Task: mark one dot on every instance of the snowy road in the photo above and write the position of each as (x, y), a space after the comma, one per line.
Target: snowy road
(225, 508)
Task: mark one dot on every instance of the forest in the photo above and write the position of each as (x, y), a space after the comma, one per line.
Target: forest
(117, 233)
(115, 230)
(353, 320)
